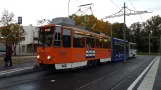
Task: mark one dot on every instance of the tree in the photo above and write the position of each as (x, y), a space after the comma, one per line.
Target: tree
(11, 32)
(137, 36)
(117, 30)
(43, 21)
(153, 25)
(141, 32)
(6, 18)
(90, 22)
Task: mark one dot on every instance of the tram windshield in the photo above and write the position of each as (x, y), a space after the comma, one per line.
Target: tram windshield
(46, 36)
(133, 46)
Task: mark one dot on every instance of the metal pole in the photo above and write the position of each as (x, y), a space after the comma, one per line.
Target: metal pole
(111, 44)
(33, 42)
(124, 34)
(19, 43)
(111, 30)
(149, 43)
(68, 8)
(160, 45)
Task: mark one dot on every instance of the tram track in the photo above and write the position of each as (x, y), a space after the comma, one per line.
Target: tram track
(121, 81)
(113, 73)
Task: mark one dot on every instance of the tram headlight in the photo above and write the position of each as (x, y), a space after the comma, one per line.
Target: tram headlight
(49, 57)
(38, 56)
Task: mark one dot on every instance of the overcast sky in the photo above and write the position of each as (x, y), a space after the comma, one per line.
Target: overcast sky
(32, 10)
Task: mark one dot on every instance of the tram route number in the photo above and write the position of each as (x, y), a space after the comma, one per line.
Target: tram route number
(64, 65)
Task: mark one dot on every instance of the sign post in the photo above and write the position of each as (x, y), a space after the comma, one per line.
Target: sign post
(160, 45)
(19, 22)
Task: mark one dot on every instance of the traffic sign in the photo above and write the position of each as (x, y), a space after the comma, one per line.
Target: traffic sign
(20, 20)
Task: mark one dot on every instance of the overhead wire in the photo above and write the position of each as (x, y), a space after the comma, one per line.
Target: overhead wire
(135, 10)
(115, 4)
(119, 8)
(78, 1)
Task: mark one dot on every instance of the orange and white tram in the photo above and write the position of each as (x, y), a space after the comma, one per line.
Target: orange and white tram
(68, 47)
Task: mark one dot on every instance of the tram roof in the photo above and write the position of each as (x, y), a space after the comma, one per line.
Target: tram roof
(132, 43)
(75, 29)
(119, 39)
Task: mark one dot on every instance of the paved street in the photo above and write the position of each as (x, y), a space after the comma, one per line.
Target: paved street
(115, 76)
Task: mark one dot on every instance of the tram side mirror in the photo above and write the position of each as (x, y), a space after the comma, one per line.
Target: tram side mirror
(109, 50)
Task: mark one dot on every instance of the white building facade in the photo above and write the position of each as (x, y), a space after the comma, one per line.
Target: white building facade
(30, 40)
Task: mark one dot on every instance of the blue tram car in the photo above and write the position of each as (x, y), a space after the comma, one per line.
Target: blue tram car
(118, 49)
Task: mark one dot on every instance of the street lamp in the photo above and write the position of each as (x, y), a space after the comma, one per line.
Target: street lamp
(159, 26)
(149, 41)
(33, 32)
(111, 30)
(68, 8)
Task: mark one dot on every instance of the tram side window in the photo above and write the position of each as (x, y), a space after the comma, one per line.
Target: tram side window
(90, 42)
(106, 43)
(121, 48)
(127, 48)
(98, 42)
(134, 46)
(66, 38)
(57, 38)
(115, 46)
(131, 46)
(78, 40)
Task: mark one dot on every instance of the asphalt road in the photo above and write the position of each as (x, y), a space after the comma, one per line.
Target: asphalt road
(110, 76)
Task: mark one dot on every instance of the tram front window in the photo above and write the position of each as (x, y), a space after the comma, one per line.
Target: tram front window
(46, 36)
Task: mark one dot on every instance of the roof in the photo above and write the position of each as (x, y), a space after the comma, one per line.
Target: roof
(75, 29)
(63, 21)
(119, 39)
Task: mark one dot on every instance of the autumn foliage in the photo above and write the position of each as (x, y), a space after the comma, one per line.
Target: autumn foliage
(92, 23)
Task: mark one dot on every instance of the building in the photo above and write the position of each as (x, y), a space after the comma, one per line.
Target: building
(29, 41)
(27, 45)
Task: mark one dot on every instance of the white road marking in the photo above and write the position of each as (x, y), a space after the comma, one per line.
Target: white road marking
(15, 70)
(52, 80)
(148, 82)
(141, 75)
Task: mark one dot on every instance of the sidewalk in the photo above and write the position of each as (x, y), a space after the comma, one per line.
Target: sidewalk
(17, 69)
(157, 83)
(16, 60)
(25, 64)
(14, 66)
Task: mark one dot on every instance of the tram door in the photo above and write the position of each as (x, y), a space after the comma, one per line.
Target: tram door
(90, 42)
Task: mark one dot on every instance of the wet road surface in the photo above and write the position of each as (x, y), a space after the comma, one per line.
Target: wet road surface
(115, 76)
